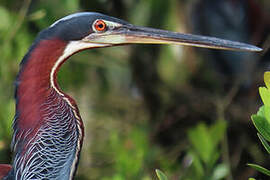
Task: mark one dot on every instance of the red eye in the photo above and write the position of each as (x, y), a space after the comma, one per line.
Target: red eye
(100, 25)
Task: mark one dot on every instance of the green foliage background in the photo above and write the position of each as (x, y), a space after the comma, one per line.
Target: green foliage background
(142, 106)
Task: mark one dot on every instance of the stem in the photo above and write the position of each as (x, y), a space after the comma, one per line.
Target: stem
(222, 105)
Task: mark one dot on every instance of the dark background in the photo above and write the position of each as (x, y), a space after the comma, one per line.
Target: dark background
(183, 110)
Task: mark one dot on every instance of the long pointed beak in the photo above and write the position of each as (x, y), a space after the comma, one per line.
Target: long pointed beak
(130, 34)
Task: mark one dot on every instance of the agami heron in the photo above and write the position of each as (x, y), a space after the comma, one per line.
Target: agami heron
(48, 130)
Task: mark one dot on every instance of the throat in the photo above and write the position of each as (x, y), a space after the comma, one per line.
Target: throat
(34, 84)
(39, 67)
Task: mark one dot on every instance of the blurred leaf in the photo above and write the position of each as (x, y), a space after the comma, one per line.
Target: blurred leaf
(205, 142)
(143, 17)
(5, 19)
(251, 179)
(168, 67)
(262, 126)
(71, 5)
(6, 116)
(118, 177)
(214, 158)
(265, 143)
(217, 131)
(197, 165)
(260, 168)
(161, 175)
(201, 140)
(265, 95)
(39, 14)
(129, 152)
(220, 171)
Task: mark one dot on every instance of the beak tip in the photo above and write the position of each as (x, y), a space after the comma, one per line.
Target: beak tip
(255, 49)
(258, 49)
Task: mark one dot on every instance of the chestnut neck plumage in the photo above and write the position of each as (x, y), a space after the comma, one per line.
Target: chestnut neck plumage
(48, 130)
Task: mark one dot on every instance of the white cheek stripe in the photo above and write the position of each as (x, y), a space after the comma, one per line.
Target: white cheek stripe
(71, 48)
(73, 167)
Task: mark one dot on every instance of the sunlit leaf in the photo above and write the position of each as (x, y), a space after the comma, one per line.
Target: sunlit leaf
(265, 143)
(262, 126)
(261, 111)
(267, 113)
(264, 111)
(260, 168)
(267, 79)
(265, 95)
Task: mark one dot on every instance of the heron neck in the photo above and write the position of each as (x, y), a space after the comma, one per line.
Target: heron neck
(33, 80)
(37, 65)
(40, 104)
